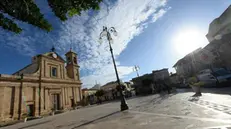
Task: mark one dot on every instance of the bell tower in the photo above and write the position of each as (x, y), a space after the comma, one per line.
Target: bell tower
(72, 66)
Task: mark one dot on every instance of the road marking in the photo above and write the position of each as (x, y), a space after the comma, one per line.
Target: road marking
(219, 108)
(184, 117)
(218, 127)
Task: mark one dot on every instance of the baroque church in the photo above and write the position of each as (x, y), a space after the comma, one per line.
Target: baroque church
(48, 84)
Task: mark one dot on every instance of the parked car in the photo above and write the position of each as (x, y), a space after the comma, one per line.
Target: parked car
(223, 76)
(207, 77)
(215, 77)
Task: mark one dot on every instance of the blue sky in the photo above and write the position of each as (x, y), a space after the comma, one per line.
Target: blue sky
(153, 34)
(154, 48)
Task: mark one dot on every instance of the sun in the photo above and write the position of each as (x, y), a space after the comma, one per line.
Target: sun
(188, 40)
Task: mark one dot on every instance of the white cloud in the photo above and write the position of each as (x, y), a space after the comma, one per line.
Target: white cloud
(82, 34)
(159, 14)
(128, 17)
(105, 74)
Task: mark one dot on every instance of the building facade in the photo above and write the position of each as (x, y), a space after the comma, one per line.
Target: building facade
(43, 86)
(194, 62)
(214, 55)
(89, 96)
(110, 91)
(162, 74)
(220, 26)
(219, 36)
(144, 84)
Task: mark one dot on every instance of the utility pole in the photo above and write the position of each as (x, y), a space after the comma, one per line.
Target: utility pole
(136, 69)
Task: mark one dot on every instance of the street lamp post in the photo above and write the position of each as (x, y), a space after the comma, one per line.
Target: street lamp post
(107, 32)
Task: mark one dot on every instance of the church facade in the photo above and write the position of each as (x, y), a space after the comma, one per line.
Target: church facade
(48, 84)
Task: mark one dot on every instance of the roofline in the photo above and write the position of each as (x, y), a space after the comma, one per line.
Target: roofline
(225, 11)
(218, 18)
(187, 55)
(22, 69)
(63, 61)
(71, 52)
(159, 70)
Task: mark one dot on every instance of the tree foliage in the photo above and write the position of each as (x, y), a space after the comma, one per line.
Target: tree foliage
(27, 11)
(99, 93)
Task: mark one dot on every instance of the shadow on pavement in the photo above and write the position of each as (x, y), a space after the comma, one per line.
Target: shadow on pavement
(89, 122)
(162, 97)
(193, 99)
(156, 100)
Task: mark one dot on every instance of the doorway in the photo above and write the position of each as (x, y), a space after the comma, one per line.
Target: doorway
(56, 102)
(30, 109)
(72, 103)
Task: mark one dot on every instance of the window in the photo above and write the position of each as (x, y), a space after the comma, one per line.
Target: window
(77, 73)
(75, 60)
(68, 60)
(54, 72)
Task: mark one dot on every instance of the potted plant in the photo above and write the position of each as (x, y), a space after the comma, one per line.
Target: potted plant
(195, 84)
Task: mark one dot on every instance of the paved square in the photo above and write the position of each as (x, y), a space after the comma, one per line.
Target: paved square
(174, 111)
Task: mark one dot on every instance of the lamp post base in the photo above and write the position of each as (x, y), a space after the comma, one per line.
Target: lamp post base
(123, 107)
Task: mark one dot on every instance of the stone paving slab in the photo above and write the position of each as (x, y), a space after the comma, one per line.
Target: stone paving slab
(178, 104)
(143, 120)
(67, 119)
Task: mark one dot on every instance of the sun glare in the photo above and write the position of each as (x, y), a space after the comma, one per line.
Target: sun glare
(187, 41)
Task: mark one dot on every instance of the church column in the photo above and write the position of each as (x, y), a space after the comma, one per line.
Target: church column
(16, 103)
(76, 95)
(12, 101)
(2, 96)
(42, 101)
(47, 100)
(73, 94)
(80, 95)
(40, 85)
(44, 98)
(44, 68)
(36, 90)
(20, 99)
(62, 97)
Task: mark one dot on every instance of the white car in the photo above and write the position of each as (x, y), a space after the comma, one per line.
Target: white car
(212, 78)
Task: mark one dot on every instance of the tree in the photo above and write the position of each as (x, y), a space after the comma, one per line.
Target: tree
(99, 93)
(27, 11)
